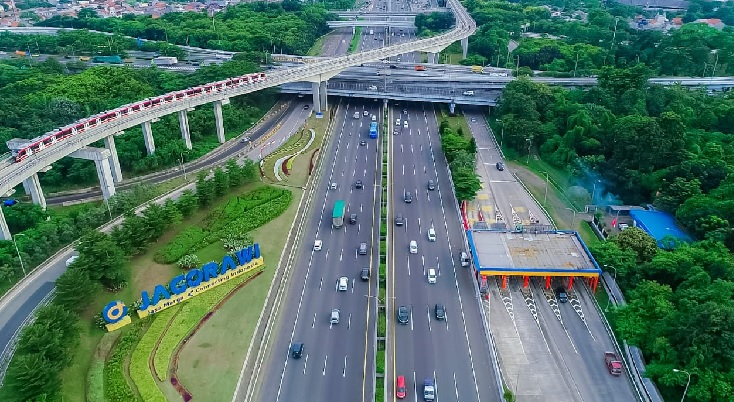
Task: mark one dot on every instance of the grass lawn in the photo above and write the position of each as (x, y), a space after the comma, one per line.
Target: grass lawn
(210, 363)
(294, 144)
(455, 122)
(317, 46)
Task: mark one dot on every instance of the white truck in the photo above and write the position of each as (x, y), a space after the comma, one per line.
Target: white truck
(429, 390)
(372, 31)
(165, 61)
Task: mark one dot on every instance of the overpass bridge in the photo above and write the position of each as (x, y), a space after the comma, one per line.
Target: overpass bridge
(386, 23)
(37, 155)
(353, 14)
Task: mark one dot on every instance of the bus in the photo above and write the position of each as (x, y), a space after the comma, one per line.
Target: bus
(373, 130)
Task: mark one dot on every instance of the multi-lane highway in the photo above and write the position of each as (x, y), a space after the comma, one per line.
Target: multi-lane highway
(338, 359)
(453, 351)
(546, 348)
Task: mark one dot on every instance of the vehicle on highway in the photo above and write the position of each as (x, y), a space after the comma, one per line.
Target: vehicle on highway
(396, 132)
(393, 66)
(317, 245)
(500, 166)
(305, 107)
(365, 274)
(464, 258)
(432, 275)
(468, 93)
(562, 295)
(343, 284)
(408, 197)
(403, 315)
(9, 203)
(363, 143)
(374, 118)
(397, 122)
(71, 260)
(420, 68)
(431, 234)
(356, 115)
(413, 247)
(358, 184)
(334, 318)
(333, 186)
(373, 130)
(337, 217)
(372, 87)
(431, 185)
(613, 362)
(297, 350)
(399, 221)
(366, 113)
(405, 124)
(400, 389)
(362, 248)
(352, 219)
(440, 311)
(429, 389)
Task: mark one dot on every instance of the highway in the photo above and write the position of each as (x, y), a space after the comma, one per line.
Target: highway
(454, 351)
(338, 361)
(554, 351)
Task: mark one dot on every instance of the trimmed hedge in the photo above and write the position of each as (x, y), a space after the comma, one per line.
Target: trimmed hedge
(180, 245)
(116, 387)
(139, 368)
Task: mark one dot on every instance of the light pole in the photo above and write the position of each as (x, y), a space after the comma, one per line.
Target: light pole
(609, 297)
(545, 197)
(593, 193)
(22, 266)
(530, 143)
(183, 167)
(573, 222)
(687, 384)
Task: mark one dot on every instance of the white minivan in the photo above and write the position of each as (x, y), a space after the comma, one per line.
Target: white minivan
(431, 234)
(464, 259)
(413, 247)
(432, 275)
(468, 93)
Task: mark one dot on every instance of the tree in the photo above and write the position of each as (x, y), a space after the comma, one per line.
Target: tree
(74, 289)
(187, 203)
(466, 183)
(637, 240)
(221, 182)
(102, 259)
(32, 376)
(205, 190)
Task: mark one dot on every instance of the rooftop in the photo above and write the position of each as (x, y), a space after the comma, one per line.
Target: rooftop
(659, 225)
(536, 254)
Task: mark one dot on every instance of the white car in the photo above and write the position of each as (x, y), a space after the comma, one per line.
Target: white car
(468, 93)
(317, 245)
(343, 284)
(372, 88)
(71, 260)
(397, 122)
(405, 124)
(432, 275)
(431, 234)
(413, 247)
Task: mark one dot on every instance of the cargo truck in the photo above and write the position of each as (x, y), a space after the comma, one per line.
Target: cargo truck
(613, 362)
(165, 61)
(373, 130)
(337, 217)
(477, 69)
(107, 59)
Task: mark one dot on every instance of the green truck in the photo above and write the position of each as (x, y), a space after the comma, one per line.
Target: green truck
(107, 59)
(337, 218)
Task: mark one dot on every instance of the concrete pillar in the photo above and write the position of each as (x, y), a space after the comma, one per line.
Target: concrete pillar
(109, 143)
(322, 94)
(148, 138)
(354, 30)
(106, 182)
(464, 47)
(4, 231)
(219, 121)
(26, 189)
(452, 107)
(316, 98)
(36, 192)
(183, 122)
(433, 58)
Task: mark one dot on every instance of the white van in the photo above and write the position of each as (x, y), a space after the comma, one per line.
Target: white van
(432, 275)
(464, 258)
(334, 319)
(356, 115)
(431, 234)
(366, 113)
(413, 247)
(374, 118)
(397, 122)
(468, 93)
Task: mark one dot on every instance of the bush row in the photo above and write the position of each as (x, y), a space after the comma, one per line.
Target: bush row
(139, 367)
(116, 387)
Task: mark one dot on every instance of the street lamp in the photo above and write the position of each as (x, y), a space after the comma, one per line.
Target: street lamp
(593, 193)
(687, 384)
(530, 144)
(183, 167)
(609, 298)
(573, 222)
(545, 197)
(22, 266)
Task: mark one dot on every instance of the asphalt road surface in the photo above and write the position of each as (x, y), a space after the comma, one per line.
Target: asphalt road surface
(337, 363)
(453, 351)
(559, 350)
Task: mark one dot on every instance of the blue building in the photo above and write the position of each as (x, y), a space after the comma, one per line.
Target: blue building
(659, 225)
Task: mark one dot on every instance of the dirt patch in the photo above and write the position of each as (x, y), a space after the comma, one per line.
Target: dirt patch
(154, 273)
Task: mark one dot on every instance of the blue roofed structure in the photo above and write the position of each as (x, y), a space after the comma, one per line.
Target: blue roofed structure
(659, 225)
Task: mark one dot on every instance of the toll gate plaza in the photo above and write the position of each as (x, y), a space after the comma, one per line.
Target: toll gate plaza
(546, 254)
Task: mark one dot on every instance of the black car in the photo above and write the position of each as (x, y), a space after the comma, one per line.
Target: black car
(358, 184)
(393, 66)
(399, 221)
(363, 143)
(562, 295)
(440, 311)
(403, 315)
(365, 274)
(353, 219)
(297, 350)
(407, 197)
(431, 185)
(500, 166)
(305, 107)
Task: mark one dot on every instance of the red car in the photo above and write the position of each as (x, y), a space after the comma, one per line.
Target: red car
(400, 387)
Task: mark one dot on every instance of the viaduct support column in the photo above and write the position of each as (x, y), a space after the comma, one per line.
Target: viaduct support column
(36, 192)
(433, 58)
(219, 121)
(109, 143)
(26, 189)
(4, 231)
(452, 107)
(183, 122)
(148, 138)
(323, 94)
(316, 97)
(105, 178)
(464, 47)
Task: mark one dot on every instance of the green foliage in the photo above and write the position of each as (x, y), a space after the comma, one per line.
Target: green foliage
(95, 381)
(139, 368)
(433, 23)
(461, 154)
(102, 259)
(189, 261)
(74, 289)
(354, 44)
(116, 387)
(184, 243)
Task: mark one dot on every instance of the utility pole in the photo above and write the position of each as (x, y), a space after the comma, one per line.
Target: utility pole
(576, 65)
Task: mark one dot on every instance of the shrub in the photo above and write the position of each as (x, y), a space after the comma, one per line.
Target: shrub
(116, 387)
(184, 243)
(139, 368)
(189, 261)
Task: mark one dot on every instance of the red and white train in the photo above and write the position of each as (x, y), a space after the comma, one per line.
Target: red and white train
(40, 143)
